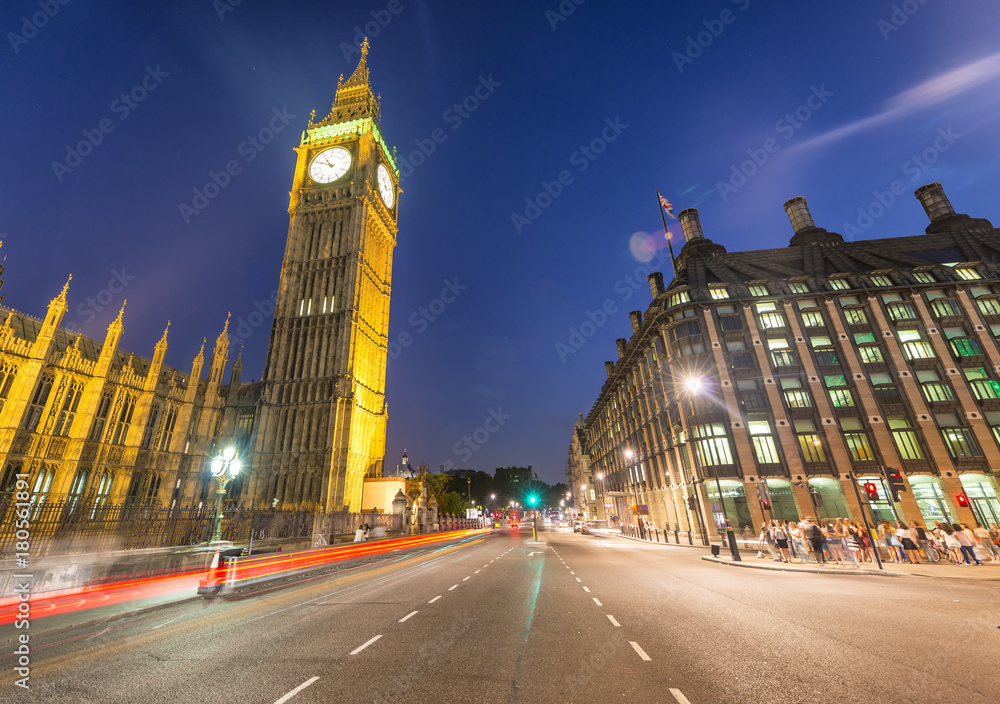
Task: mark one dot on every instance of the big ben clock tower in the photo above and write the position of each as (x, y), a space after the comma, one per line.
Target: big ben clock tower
(323, 415)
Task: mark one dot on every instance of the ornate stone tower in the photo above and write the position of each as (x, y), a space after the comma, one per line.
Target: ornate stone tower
(323, 414)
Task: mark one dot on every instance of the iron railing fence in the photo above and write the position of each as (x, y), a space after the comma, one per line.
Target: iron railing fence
(58, 525)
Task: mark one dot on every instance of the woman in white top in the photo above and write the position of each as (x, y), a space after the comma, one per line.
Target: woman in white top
(908, 539)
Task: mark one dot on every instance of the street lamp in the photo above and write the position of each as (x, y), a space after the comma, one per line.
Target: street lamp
(695, 385)
(225, 467)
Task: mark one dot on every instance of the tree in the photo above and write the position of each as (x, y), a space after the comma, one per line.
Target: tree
(452, 503)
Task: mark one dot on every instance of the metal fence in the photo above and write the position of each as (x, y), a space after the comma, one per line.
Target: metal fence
(62, 525)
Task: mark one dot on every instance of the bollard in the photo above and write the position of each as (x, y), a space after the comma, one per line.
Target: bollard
(677, 538)
(657, 535)
(690, 539)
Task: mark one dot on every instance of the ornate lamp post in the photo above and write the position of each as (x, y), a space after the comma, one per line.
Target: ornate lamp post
(225, 467)
(696, 385)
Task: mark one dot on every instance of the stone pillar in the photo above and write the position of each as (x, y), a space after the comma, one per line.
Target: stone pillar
(432, 515)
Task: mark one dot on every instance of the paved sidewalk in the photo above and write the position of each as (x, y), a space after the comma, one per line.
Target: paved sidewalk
(988, 572)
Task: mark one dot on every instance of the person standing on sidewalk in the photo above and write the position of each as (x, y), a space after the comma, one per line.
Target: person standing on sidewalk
(906, 537)
(965, 545)
(814, 535)
(795, 532)
(781, 540)
(986, 540)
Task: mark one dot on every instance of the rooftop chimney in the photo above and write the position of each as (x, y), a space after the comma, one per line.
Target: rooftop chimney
(798, 213)
(636, 318)
(621, 346)
(935, 202)
(609, 367)
(691, 224)
(655, 283)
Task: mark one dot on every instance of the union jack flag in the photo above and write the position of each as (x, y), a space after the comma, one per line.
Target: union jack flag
(668, 207)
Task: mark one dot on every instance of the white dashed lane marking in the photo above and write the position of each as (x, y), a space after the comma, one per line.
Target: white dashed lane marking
(681, 699)
(610, 618)
(586, 590)
(578, 579)
(455, 586)
(296, 690)
(434, 599)
(365, 645)
(642, 653)
(412, 613)
(597, 602)
(469, 577)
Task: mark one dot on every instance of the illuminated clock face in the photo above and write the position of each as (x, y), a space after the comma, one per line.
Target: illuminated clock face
(330, 165)
(385, 186)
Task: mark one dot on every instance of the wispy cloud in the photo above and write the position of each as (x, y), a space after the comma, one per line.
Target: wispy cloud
(924, 95)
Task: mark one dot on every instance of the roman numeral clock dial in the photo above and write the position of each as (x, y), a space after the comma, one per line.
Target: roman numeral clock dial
(330, 165)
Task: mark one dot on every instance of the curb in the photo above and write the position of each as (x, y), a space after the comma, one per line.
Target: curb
(650, 542)
(807, 570)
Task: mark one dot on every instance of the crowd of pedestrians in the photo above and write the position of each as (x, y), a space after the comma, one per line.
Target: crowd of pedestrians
(845, 542)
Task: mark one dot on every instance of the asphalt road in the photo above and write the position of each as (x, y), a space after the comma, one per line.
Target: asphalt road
(569, 619)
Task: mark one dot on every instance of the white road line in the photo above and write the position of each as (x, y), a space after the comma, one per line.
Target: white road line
(452, 587)
(642, 653)
(610, 618)
(412, 613)
(571, 571)
(586, 590)
(362, 647)
(296, 690)
(164, 623)
(681, 699)
(578, 579)
(597, 602)
(469, 577)
(434, 599)
(478, 571)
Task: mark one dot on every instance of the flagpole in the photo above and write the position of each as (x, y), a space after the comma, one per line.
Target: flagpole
(670, 247)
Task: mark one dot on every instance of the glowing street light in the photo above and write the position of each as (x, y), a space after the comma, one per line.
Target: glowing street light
(225, 467)
(695, 385)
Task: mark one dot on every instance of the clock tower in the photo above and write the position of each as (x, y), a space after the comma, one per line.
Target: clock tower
(323, 413)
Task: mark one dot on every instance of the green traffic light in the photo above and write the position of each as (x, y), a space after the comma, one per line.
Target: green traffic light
(531, 500)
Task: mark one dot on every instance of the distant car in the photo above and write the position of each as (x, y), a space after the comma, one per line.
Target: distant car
(577, 526)
(585, 529)
(513, 524)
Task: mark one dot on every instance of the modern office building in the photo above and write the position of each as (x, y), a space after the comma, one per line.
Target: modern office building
(796, 369)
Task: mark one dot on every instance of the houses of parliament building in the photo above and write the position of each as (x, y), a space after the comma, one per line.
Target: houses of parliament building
(83, 418)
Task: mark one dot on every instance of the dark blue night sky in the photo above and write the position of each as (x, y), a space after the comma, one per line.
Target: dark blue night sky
(835, 101)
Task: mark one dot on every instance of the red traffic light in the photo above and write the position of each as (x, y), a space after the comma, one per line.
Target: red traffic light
(871, 490)
(767, 505)
(962, 500)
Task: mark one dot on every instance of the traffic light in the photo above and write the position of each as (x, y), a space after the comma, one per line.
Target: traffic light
(894, 480)
(962, 500)
(764, 495)
(872, 490)
(691, 504)
(531, 500)
(817, 499)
